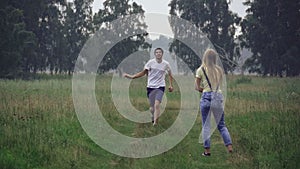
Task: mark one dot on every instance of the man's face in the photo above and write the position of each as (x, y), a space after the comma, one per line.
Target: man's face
(158, 54)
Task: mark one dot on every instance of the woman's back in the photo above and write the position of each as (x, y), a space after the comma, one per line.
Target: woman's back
(213, 71)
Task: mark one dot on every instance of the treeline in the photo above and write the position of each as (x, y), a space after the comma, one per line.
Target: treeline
(40, 35)
(270, 30)
(47, 35)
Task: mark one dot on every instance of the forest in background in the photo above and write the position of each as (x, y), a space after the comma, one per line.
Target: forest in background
(40, 36)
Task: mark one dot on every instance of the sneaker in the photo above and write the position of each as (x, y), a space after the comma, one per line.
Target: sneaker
(205, 154)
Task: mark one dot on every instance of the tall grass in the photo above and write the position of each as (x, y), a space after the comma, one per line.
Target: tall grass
(265, 117)
(39, 127)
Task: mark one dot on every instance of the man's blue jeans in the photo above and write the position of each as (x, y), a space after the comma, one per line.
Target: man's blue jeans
(218, 117)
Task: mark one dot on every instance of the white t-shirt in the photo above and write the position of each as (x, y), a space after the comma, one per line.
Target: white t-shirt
(156, 73)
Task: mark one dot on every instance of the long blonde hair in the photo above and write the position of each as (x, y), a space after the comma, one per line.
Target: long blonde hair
(213, 71)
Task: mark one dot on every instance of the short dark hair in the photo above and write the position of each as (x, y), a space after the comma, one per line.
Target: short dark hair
(159, 49)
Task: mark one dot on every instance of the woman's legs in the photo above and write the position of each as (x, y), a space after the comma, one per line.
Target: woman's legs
(206, 129)
(204, 106)
(206, 115)
(206, 133)
(220, 120)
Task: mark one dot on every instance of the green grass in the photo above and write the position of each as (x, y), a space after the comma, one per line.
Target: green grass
(39, 127)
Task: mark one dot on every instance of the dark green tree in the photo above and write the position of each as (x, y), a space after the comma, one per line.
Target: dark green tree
(51, 39)
(41, 21)
(216, 21)
(15, 41)
(77, 29)
(114, 9)
(271, 30)
(35, 17)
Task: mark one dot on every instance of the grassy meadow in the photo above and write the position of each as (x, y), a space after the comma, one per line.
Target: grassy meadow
(39, 128)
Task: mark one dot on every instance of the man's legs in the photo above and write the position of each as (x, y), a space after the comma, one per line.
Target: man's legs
(151, 98)
(155, 97)
(156, 111)
(152, 113)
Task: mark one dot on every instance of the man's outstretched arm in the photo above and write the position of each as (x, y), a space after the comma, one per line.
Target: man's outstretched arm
(137, 75)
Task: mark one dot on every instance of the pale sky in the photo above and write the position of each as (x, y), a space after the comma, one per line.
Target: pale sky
(161, 6)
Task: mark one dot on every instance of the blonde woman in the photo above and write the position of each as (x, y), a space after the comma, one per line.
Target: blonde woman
(208, 78)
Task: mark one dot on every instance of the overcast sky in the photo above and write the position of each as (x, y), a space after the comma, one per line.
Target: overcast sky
(161, 6)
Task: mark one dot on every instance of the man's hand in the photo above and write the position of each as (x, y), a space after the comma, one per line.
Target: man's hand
(170, 88)
(127, 76)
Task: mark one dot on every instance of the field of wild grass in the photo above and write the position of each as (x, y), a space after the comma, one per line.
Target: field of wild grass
(39, 127)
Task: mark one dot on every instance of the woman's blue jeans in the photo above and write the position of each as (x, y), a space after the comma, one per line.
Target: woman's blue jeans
(206, 122)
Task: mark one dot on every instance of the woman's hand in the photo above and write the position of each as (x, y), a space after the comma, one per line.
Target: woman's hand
(200, 89)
